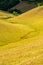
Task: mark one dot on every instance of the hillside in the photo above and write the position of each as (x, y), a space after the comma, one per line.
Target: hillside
(21, 39)
(32, 18)
(5, 15)
(23, 6)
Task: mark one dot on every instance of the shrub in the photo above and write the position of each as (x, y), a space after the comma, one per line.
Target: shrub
(15, 13)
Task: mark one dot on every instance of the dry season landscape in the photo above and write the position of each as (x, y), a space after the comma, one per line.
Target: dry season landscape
(21, 38)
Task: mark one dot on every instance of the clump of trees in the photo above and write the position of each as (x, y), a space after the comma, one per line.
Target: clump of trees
(34, 0)
(6, 4)
(37, 2)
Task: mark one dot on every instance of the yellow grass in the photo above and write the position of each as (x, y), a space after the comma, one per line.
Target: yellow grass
(5, 15)
(21, 39)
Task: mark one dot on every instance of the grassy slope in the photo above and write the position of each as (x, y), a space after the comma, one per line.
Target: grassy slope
(33, 17)
(5, 15)
(28, 29)
(10, 33)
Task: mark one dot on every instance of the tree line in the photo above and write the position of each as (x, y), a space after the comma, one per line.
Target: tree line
(6, 4)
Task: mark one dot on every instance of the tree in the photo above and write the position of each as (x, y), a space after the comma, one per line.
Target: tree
(6, 4)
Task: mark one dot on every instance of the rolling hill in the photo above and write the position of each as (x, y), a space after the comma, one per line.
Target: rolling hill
(21, 39)
(5, 15)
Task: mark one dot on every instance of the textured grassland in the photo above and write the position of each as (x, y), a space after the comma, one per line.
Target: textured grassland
(10, 33)
(21, 39)
(5, 15)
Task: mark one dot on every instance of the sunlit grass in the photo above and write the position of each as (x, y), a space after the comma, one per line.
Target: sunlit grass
(21, 39)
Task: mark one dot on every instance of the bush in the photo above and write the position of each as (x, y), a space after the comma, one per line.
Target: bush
(15, 13)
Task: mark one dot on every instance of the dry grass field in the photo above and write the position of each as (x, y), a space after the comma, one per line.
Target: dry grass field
(21, 38)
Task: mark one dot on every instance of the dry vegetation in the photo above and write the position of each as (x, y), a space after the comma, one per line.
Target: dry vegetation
(21, 39)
